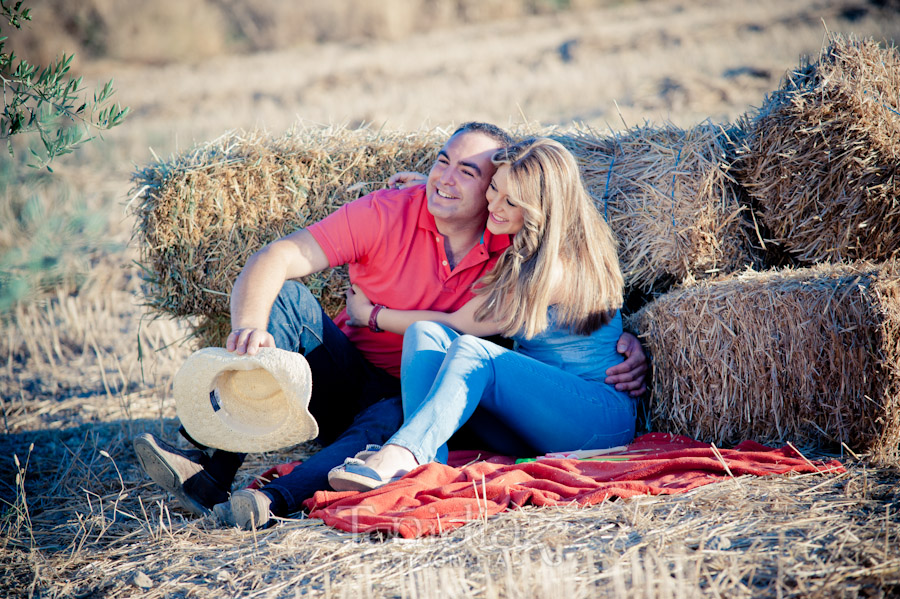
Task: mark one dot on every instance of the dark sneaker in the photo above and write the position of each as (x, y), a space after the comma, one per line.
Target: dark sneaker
(180, 472)
(247, 509)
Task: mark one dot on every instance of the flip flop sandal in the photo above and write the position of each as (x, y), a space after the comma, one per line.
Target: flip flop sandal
(354, 475)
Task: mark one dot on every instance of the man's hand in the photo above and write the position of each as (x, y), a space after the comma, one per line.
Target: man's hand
(256, 288)
(405, 179)
(359, 308)
(249, 340)
(629, 375)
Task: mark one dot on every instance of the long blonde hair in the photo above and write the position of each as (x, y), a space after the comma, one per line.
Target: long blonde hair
(564, 254)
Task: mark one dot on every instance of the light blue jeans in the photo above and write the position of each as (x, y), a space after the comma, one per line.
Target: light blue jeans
(445, 376)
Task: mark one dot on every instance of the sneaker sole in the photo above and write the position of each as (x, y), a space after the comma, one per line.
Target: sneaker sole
(248, 508)
(156, 467)
(341, 480)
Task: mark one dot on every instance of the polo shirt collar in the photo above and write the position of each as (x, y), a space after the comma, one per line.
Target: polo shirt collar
(426, 219)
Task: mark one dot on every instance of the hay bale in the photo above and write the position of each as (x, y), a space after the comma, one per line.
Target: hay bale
(809, 356)
(821, 158)
(668, 196)
(200, 215)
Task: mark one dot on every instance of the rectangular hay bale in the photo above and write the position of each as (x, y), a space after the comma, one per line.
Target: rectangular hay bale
(821, 158)
(202, 214)
(809, 356)
(669, 197)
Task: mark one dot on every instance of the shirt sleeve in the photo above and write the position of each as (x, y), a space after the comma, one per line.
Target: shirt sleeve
(349, 234)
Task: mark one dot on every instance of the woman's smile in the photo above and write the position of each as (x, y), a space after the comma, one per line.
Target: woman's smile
(505, 216)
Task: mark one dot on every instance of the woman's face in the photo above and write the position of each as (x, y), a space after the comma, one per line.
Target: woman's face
(505, 216)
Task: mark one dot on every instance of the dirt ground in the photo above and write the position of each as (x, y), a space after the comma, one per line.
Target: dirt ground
(80, 375)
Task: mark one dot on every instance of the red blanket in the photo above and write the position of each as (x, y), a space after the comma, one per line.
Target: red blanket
(434, 497)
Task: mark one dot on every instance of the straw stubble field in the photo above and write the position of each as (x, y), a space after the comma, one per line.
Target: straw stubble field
(82, 374)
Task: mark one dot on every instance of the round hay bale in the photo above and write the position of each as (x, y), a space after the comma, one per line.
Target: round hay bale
(668, 196)
(821, 159)
(809, 356)
(202, 214)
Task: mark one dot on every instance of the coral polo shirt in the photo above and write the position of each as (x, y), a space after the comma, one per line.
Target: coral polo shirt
(396, 256)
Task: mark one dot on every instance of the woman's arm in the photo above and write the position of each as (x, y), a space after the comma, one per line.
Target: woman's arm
(405, 179)
(359, 310)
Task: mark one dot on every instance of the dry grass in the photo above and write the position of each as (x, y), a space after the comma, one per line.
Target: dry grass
(130, 30)
(72, 361)
(822, 155)
(80, 519)
(97, 527)
(808, 356)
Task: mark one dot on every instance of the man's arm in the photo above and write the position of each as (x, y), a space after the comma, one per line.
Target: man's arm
(629, 375)
(293, 256)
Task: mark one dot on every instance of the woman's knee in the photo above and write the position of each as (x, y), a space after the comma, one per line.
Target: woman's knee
(469, 345)
(426, 334)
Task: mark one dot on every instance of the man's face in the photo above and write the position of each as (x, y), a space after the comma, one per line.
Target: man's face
(458, 180)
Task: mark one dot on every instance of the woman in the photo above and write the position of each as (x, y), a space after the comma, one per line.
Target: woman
(556, 291)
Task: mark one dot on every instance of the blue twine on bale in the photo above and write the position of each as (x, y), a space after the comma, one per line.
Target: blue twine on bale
(866, 93)
(606, 190)
(674, 174)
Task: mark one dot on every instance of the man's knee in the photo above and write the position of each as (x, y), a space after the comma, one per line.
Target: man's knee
(294, 310)
(294, 296)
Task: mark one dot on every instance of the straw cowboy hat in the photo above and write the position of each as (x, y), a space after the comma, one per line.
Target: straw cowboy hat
(245, 403)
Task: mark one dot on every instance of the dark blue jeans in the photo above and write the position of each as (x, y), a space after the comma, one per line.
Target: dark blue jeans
(354, 402)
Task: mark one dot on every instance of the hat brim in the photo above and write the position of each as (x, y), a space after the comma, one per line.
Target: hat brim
(226, 420)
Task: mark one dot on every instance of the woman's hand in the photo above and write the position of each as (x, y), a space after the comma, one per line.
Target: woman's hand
(406, 179)
(629, 375)
(359, 308)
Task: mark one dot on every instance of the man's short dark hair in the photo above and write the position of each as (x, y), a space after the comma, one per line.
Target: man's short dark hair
(492, 131)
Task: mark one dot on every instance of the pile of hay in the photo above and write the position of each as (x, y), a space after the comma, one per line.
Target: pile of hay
(810, 356)
(822, 156)
(668, 195)
(201, 215)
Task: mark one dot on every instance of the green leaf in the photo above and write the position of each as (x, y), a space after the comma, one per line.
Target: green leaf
(44, 99)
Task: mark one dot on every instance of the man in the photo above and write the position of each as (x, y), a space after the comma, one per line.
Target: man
(420, 247)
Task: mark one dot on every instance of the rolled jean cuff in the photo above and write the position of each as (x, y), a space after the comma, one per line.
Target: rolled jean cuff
(440, 455)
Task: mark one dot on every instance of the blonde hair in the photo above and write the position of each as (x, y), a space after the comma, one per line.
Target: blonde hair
(564, 254)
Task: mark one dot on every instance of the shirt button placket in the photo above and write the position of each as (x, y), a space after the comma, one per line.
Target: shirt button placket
(438, 239)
